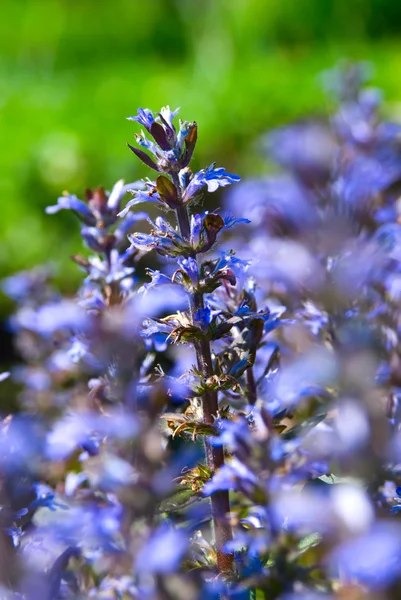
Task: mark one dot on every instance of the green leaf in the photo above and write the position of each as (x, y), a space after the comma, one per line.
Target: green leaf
(304, 427)
(332, 479)
(309, 541)
(179, 500)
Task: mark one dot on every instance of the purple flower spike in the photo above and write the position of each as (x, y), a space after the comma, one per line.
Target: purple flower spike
(163, 552)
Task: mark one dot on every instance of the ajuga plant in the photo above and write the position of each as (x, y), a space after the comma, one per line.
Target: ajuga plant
(216, 414)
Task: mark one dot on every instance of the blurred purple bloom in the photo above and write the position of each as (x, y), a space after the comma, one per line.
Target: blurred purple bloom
(308, 149)
(73, 481)
(29, 286)
(95, 528)
(46, 498)
(279, 203)
(318, 368)
(372, 559)
(345, 80)
(365, 177)
(50, 318)
(38, 378)
(163, 552)
(21, 444)
(86, 431)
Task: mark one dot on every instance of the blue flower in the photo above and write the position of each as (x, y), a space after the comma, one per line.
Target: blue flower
(195, 230)
(73, 481)
(157, 278)
(205, 227)
(228, 259)
(182, 134)
(117, 193)
(126, 224)
(144, 117)
(230, 221)
(234, 475)
(100, 206)
(111, 270)
(202, 318)
(163, 237)
(140, 196)
(233, 434)
(210, 177)
(45, 497)
(190, 267)
(168, 115)
(71, 202)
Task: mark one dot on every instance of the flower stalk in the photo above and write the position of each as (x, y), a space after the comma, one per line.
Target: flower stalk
(220, 502)
(177, 188)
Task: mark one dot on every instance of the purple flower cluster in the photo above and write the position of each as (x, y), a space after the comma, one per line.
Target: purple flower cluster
(216, 414)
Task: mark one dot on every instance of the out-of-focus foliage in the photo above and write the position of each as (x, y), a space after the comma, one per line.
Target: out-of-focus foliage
(71, 70)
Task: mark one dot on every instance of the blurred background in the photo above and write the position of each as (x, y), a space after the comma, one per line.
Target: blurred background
(71, 71)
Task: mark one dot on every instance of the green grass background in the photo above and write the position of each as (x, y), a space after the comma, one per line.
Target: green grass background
(71, 71)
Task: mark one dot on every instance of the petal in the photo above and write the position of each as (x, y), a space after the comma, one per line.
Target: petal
(139, 198)
(72, 203)
(144, 117)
